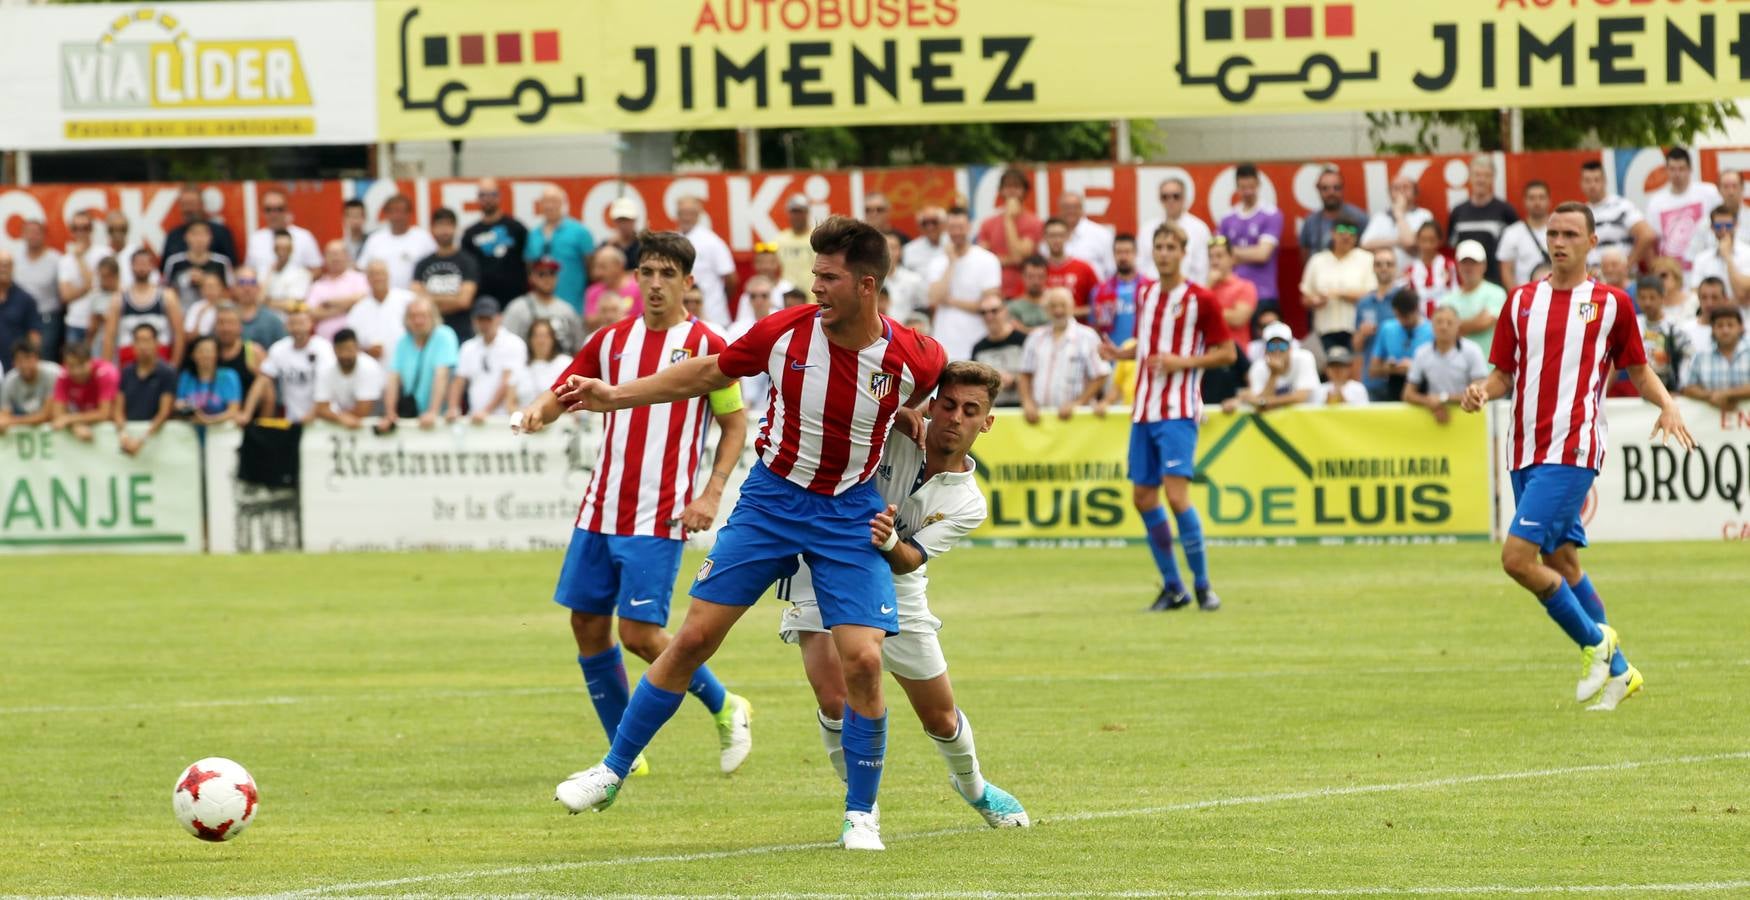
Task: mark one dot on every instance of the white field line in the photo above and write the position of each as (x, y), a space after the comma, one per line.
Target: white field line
(969, 682)
(1253, 800)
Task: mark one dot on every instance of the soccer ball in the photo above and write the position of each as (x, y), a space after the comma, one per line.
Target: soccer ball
(214, 799)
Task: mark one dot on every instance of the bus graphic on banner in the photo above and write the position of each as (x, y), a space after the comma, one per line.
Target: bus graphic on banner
(1310, 45)
(454, 74)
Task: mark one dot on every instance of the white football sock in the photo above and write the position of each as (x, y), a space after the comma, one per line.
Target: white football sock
(962, 759)
(832, 737)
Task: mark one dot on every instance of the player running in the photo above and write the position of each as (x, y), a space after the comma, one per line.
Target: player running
(1179, 333)
(839, 371)
(640, 503)
(932, 502)
(1556, 344)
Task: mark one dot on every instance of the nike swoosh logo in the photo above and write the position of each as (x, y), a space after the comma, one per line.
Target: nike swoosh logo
(797, 367)
(1174, 462)
(1530, 524)
(640, 602)
(617, 356)
(886, 610)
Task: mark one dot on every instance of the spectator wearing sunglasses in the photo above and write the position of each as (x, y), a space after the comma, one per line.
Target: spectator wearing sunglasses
(1175, 206)
(276, 217)
(261, 325)
(1728, 260)
(1334, 281)
(920, 252)
(878, 213)
(1318, 231)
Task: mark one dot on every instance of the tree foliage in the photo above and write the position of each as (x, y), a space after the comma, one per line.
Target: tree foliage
(1554, 128)
(895, 145)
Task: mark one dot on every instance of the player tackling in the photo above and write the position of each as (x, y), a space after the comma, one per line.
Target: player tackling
(839, 371)
(1179, 333)
(632, 524)
(932, 502)
(1554, 349)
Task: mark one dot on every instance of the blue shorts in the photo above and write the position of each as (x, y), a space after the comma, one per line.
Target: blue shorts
(1548, 499)
(630, 574)
(1159, 449)
(775, 522)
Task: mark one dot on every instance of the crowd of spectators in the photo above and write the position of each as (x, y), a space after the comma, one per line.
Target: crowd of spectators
(441, 324)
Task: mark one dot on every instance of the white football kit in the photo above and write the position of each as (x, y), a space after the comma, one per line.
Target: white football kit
(933, 516)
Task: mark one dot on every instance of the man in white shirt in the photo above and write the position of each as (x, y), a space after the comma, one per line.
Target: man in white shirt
(349, 386)
(1089, 241)
(1726, 257)
(1678, 212)
(76, 275)
(1395, 229)
(290, 369)
(1524, 246)
(922, 251)
(713, 265)
(1174, 195)
(1617, 222)
(1287, 375)
(400, 246)
(377, 319)
(275, 217)
(1061, 365)
(487, 367)
(906, 290)
(959, 281)
(37, 271)
(1732, 197)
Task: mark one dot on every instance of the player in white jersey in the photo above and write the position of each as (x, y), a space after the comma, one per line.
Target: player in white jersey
(932, 502)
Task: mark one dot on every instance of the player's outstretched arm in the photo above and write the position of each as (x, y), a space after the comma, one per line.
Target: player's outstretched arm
(1670, 424)
(537, 415)
(694, 378)
(1480, 393)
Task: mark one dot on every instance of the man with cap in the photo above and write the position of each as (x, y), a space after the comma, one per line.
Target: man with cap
(1286, 376)
(486, 367)
(563, 240)
(623, 212)
(1476, 300)
(543, 304)
(1342, 389)
(795, 252)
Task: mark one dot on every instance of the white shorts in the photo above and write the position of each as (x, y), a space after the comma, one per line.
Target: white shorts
(914, 654)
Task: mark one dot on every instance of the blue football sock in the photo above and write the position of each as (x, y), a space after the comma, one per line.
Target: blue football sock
(1589, 599)
(865, 742)
(604, 674)
(1160, 543)
(650, 708)
(708, 689)
(1563, 607)
(1618, 664)
(1191, 538)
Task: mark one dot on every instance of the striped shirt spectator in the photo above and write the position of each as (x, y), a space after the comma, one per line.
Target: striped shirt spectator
(1061, 366)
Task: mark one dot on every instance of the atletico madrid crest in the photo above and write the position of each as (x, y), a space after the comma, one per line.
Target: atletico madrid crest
(1588, 312)
(680, 354)
(880, 385)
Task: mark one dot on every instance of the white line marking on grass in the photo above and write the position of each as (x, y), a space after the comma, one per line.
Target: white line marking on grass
(1046, 821)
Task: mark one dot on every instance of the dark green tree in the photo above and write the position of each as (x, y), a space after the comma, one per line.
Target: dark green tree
(1555, 128)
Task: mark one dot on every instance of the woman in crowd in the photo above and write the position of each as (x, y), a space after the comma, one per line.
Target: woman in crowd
(205, 392)
(1432, 273)
(546, 363)
(333, 294)
(1681, 303)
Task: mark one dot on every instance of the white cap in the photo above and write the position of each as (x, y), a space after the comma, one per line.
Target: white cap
(1472, 251)
(623, 208)
(1278, 331)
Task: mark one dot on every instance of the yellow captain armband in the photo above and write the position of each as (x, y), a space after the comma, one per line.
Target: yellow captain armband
(726, 400)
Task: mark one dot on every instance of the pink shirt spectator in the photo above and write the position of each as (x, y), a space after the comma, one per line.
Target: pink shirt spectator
(994, 236)
(98, 389)
(349, 285)
(629, 290)
(1234, 290)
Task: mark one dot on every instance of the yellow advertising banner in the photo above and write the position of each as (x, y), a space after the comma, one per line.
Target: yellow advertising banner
(1378, 474)
(449, 69)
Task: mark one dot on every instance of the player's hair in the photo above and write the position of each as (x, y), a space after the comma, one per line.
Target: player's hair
(1245, 170)
(1406, 300)
(1713, 281)
(443, 214)
(1124, 237)
(670, 245)
(1035, 262)
(25, 346)
(1678, 154)
(148, 326)
(345, 335)
(969, 373)
(861, 244)
(354, 203)
(1650, 283)
(1017, 176)
(1055, 221)
(1581, 209)
(1172, 230)
(75, 352)
(1724, 210)
(1592, 165)
(1536, 183)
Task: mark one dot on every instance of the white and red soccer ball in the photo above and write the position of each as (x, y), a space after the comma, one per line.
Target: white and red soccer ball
(215, 799)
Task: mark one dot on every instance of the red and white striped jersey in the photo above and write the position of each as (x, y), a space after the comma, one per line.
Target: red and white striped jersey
(1185, 322)
(650, 454)
(830, 407)
(1432, 280)
(1560, 347)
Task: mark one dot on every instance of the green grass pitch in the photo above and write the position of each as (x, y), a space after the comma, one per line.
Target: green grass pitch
(1358, 721)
